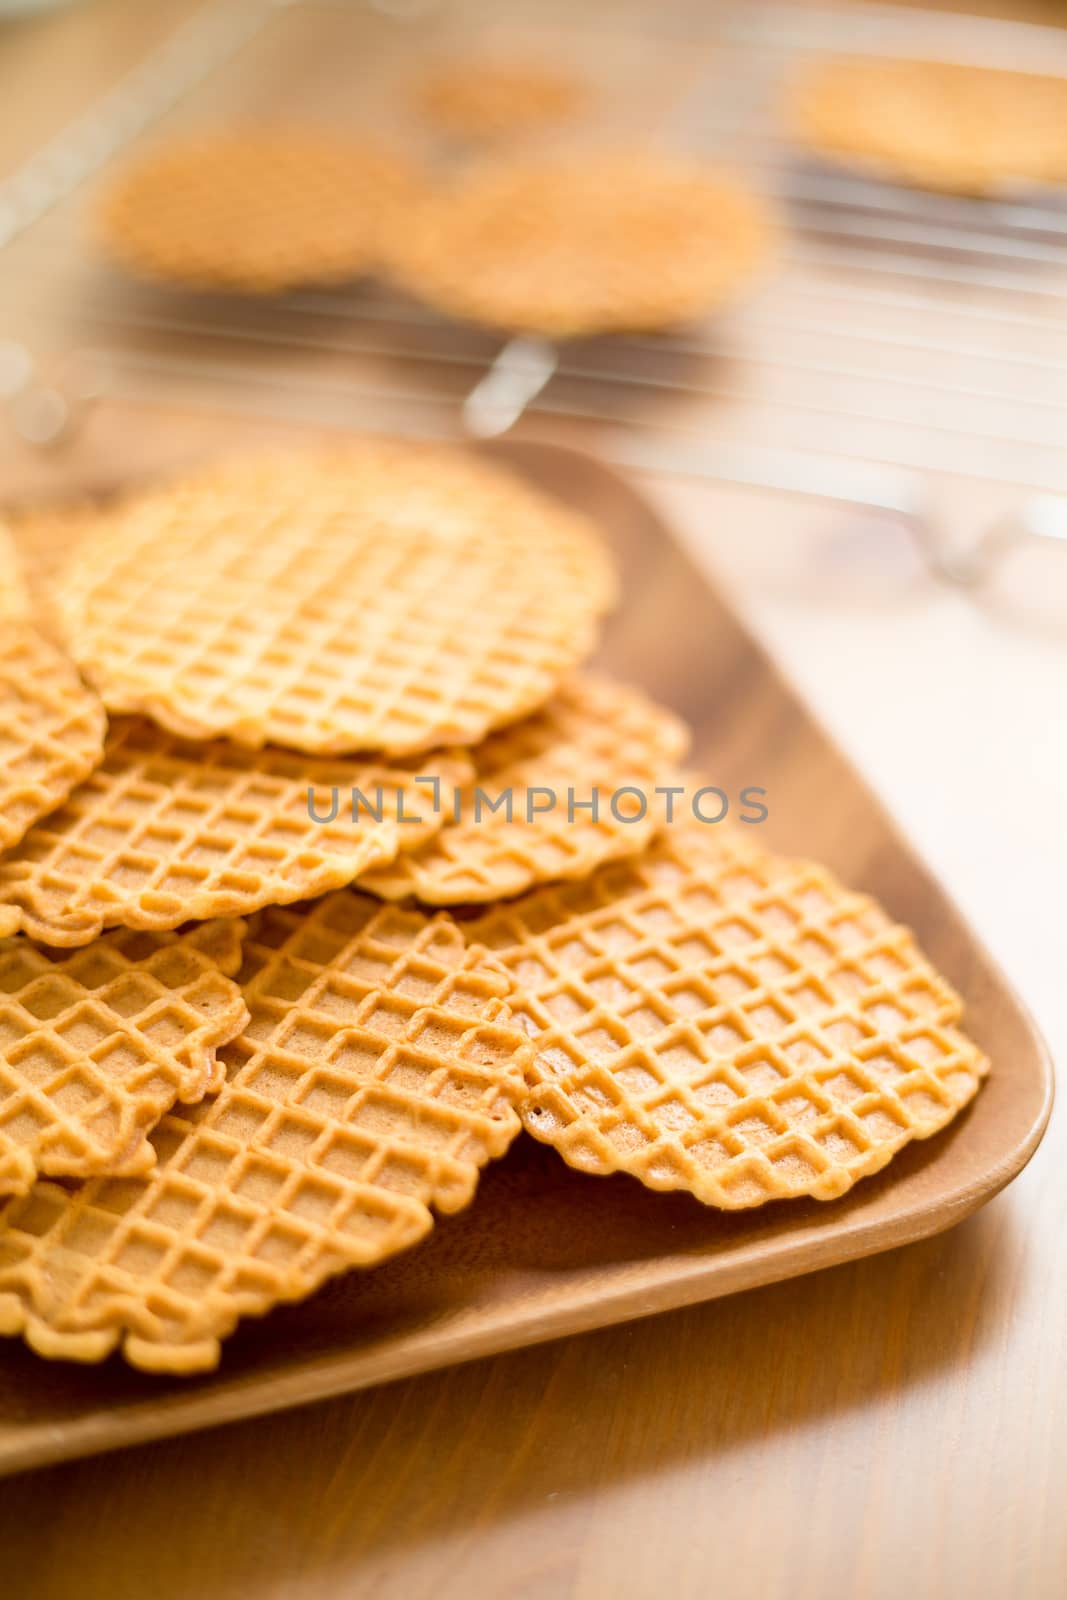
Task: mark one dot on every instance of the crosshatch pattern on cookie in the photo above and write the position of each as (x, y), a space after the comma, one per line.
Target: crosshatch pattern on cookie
(95, 1045)
(388, 597)
(710, 1017)
(593, 740)
(167, 831)
(380, 1070)
(51, 729)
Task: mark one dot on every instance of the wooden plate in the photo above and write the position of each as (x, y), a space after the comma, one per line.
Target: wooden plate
(545, 1251)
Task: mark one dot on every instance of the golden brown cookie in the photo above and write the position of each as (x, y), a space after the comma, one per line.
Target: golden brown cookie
(52, 728)
(492, 100)
(585, 243)
(257, 211)
(391, 597)
(379, 1072)
(96, 1046)
(714, 1018)
(527, 817)
(935, 124)
(166, 831)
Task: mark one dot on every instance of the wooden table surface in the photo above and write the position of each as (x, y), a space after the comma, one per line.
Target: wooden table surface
(898, 1426)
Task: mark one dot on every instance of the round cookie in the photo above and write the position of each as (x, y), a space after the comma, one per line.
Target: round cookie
(713, 1018)
(256, 212)
(391, 597)
(580, 244)
(935, 124)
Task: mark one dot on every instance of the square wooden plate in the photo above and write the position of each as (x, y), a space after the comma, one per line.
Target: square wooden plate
(545, 1251)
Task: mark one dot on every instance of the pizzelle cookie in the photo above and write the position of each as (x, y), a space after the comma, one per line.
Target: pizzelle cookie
(935, 124)
(391, 597)
(379, 1072)
(52, 730)
(257, 212)
(96, 1046)
(487, 101)
(713, 1018)
(526, 819)
(578, 244)
(165, 832)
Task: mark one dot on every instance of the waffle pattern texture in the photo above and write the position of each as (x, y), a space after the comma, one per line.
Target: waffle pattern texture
(713, 1018)
(590, 744)
(52, 730)
(582, 244)
(935, 124)
(165, 832)
(379, 1072)
(257, 212)
(393, 597)
(491, 101)
(95, 1046)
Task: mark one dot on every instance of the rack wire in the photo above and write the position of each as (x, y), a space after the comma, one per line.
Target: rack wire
(903, 341)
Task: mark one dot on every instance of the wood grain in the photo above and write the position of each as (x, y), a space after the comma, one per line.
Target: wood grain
(824, 1437)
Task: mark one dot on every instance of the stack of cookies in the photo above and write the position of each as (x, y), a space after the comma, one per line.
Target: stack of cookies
(327, 868)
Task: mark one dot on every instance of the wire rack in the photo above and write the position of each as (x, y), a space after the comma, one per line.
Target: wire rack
(903, 342)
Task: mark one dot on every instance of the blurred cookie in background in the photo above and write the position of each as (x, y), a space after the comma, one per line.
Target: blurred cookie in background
(935, 124)
(491, 101)
(257, 212)
(583, 243)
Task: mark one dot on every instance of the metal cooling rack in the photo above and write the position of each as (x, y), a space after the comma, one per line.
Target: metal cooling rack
(904, 343)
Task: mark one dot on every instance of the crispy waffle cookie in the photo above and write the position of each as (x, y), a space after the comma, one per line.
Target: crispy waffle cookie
(710, 1017)
(165, 832)
(380, 1070)
(390, 597)
(487, 101)
(582, 244)
(257, 212)
(95, 1046)
(52, 730)
(935, 124)
(594, 743)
